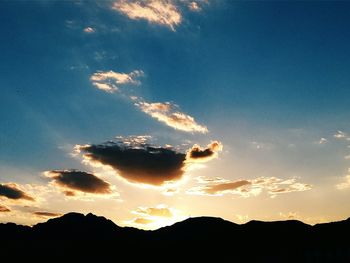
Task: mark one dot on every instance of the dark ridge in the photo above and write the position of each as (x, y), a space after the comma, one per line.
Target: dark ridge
(201, 238)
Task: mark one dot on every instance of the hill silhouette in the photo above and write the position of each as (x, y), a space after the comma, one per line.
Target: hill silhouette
(90, 236)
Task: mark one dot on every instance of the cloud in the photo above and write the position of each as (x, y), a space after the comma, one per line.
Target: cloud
(247, 188)
(161, 12)
(79, 181)
(170, 114)
(139, 162)
(155, 216)
(142, 221)
(197, 154)
(4, 209)
(46, 214)
(89, 30)
(11, 191)
(340, 135)
(193, 6)
(322, 141)
(344, 185)
(155, 211)
(109, 81)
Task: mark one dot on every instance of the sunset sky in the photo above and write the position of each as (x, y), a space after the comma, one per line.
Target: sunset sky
(150, 112)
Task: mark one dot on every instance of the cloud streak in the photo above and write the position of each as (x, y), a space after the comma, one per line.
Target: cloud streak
(247, 188)
(46, 214)
(170, 114)
(4, 209)
(12, 191)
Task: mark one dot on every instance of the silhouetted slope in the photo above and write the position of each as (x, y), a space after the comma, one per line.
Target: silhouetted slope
(83, 237)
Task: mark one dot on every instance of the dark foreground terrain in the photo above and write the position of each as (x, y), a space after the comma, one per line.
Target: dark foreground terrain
(75, 237)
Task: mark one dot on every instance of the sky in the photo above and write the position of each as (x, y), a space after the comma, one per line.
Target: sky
(150, 112)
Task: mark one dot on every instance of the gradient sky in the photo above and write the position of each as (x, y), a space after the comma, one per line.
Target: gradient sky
(223, 108)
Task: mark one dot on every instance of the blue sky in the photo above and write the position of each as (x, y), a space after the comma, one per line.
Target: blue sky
(267, 79)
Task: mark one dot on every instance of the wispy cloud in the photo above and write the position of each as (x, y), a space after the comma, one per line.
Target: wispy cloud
(247, 188)
(340, 135)
(162, 12)
(171, 115)
(44, 214)
(345, 184)
(109, 81)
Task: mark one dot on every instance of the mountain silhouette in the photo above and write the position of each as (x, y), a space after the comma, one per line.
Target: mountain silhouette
(83, 237)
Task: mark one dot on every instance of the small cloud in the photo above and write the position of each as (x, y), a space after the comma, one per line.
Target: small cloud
(142, 221)
(4, 209)
(197, 154)
(322, 141)
(12, 191)
(160, 211)
(110, 80)
(247, 188)
(89, 30)
(79, 181)
(110, 88)
(170, 114)
(193, 6)
(344, 185)
(46, 214)
(154, 11)
(155, 217)
(339, 135)
(347, 157)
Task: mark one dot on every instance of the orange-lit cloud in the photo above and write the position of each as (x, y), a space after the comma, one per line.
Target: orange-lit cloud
(79, 181)
(139, 162)
(162, 12)
(12, 191)
(247, 188)
(170, 114)
(155, 216)
(46, 214)
(142, 221)
(4, 209)
(110, 80)
(155, 211)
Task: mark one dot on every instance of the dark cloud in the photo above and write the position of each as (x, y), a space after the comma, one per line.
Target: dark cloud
(11, 191)
(46, 214)
(4, 209)
(69, 193)
(138, 163)
(196, 153)
(78, 180)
